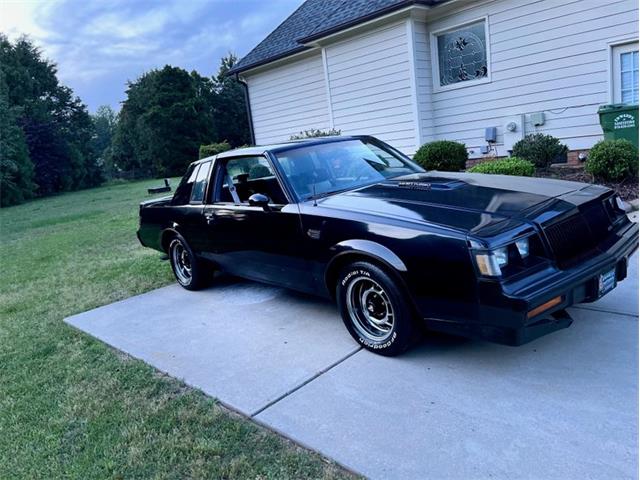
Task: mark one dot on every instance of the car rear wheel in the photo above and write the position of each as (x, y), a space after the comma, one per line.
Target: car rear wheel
(375, 310)
(190, 271)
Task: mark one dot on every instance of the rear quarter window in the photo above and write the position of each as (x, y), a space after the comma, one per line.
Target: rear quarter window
(185, 188)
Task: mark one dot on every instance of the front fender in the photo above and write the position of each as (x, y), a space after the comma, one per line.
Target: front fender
(367, 248)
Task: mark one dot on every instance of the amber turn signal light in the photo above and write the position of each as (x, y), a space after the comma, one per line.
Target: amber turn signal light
(545, 306)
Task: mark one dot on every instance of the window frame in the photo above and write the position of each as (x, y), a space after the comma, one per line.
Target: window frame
(435, 61)
(206, 183)
(613, 73)
(218, 181)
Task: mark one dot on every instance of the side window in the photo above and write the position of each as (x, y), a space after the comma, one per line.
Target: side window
(183, 192)
(200, 183)
(248, 175)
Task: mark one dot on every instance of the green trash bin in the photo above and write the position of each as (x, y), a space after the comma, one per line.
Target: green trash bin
(619, 121)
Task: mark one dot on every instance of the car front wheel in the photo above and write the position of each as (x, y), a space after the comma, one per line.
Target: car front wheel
(375, 310)
(191, 272)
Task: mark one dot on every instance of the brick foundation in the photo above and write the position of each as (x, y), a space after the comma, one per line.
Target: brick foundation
(572, 157)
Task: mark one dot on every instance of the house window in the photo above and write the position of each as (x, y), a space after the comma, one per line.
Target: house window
(625, 73)
(629, 77)
(462, 54)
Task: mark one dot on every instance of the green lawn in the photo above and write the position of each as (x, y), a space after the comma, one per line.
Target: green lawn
(72, 407)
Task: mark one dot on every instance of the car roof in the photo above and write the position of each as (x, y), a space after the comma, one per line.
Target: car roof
(281, 147)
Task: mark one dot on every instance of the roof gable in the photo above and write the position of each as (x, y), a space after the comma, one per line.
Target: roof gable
(315, 18)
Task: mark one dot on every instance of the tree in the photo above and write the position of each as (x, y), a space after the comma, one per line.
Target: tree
(165, 118)
(55, 124)
(16, 168)
(230, 107)
(104, 126)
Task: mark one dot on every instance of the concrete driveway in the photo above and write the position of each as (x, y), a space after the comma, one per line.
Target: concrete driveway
(564, 406)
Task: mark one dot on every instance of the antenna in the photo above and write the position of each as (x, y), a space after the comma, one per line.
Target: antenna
(313, 188)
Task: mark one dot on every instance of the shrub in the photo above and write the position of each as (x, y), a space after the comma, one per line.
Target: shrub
(506, 166)
(613, 160)
(213, 149)
(443, 155)
(539, 149)
(315, 132)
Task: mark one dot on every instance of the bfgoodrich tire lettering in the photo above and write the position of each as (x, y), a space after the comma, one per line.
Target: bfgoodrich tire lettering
(374, 309)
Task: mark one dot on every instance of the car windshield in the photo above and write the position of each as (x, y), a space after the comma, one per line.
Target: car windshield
(319, 170)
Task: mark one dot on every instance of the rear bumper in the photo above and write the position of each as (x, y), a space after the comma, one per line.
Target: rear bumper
(502, 312)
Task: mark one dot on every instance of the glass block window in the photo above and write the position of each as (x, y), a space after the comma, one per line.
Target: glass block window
(629, 77)
(462, 54)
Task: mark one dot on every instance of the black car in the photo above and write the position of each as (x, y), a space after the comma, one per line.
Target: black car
(397, 247)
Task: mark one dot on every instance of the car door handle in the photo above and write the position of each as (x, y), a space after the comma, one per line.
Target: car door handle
(209, 217)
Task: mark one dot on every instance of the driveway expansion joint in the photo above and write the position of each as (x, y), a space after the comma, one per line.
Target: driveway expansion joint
(595, 309)
(305, 382)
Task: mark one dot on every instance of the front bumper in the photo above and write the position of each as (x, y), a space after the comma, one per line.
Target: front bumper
(503, 307)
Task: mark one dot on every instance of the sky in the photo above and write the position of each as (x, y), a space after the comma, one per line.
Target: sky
(99, 45)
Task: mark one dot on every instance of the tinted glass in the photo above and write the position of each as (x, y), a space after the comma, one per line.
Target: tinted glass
(183, 192)
(250, 175)
(200, 184)
(331, 167)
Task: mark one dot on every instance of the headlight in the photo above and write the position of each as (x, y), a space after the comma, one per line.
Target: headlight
(523, 247)
(490, 263)
(502, 256)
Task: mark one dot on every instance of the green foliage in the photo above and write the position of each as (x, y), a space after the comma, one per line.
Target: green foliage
(166, 117)
(56, 127)
(314, 132)
(232, 122)
(104, 125)
(213, 149)
(541, 150)
(443, 155)
(169, 113)
(506, 166)
(16, 168)
(613, 160)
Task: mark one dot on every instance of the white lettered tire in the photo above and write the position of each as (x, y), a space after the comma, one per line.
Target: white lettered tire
(375, 309)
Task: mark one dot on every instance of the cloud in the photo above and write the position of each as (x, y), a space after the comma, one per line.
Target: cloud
(101, 44)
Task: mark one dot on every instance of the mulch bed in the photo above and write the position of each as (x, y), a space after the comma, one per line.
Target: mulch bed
(627, 189)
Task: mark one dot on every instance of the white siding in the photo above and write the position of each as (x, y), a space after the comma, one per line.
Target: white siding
(288, 99)
(370, 85)
(424, 80)
(548, 56)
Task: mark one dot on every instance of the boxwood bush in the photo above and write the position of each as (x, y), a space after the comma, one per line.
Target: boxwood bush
(539, 149)
(613, 160)
(443, 155)
(213, 149)
(506, 166)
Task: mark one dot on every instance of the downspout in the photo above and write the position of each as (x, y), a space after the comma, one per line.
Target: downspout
(248, 106)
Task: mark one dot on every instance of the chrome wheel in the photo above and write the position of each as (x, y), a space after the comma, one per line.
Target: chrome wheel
(181, 260)
(370, 309)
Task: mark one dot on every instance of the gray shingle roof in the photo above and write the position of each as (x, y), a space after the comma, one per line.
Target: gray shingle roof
(315, 18)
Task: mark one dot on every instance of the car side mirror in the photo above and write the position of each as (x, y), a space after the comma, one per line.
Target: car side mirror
(259, 200)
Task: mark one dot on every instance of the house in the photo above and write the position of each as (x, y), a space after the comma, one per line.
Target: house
(410, 72)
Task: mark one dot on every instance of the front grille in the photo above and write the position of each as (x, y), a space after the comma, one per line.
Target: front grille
(579, 234)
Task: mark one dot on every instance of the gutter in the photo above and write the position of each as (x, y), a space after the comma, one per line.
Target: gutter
(247, 104)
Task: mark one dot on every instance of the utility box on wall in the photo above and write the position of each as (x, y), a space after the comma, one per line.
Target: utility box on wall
(513, 131)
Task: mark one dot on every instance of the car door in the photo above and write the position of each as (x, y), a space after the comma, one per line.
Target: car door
(262, 243)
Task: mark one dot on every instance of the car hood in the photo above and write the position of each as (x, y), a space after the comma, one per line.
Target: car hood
(478, 203)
